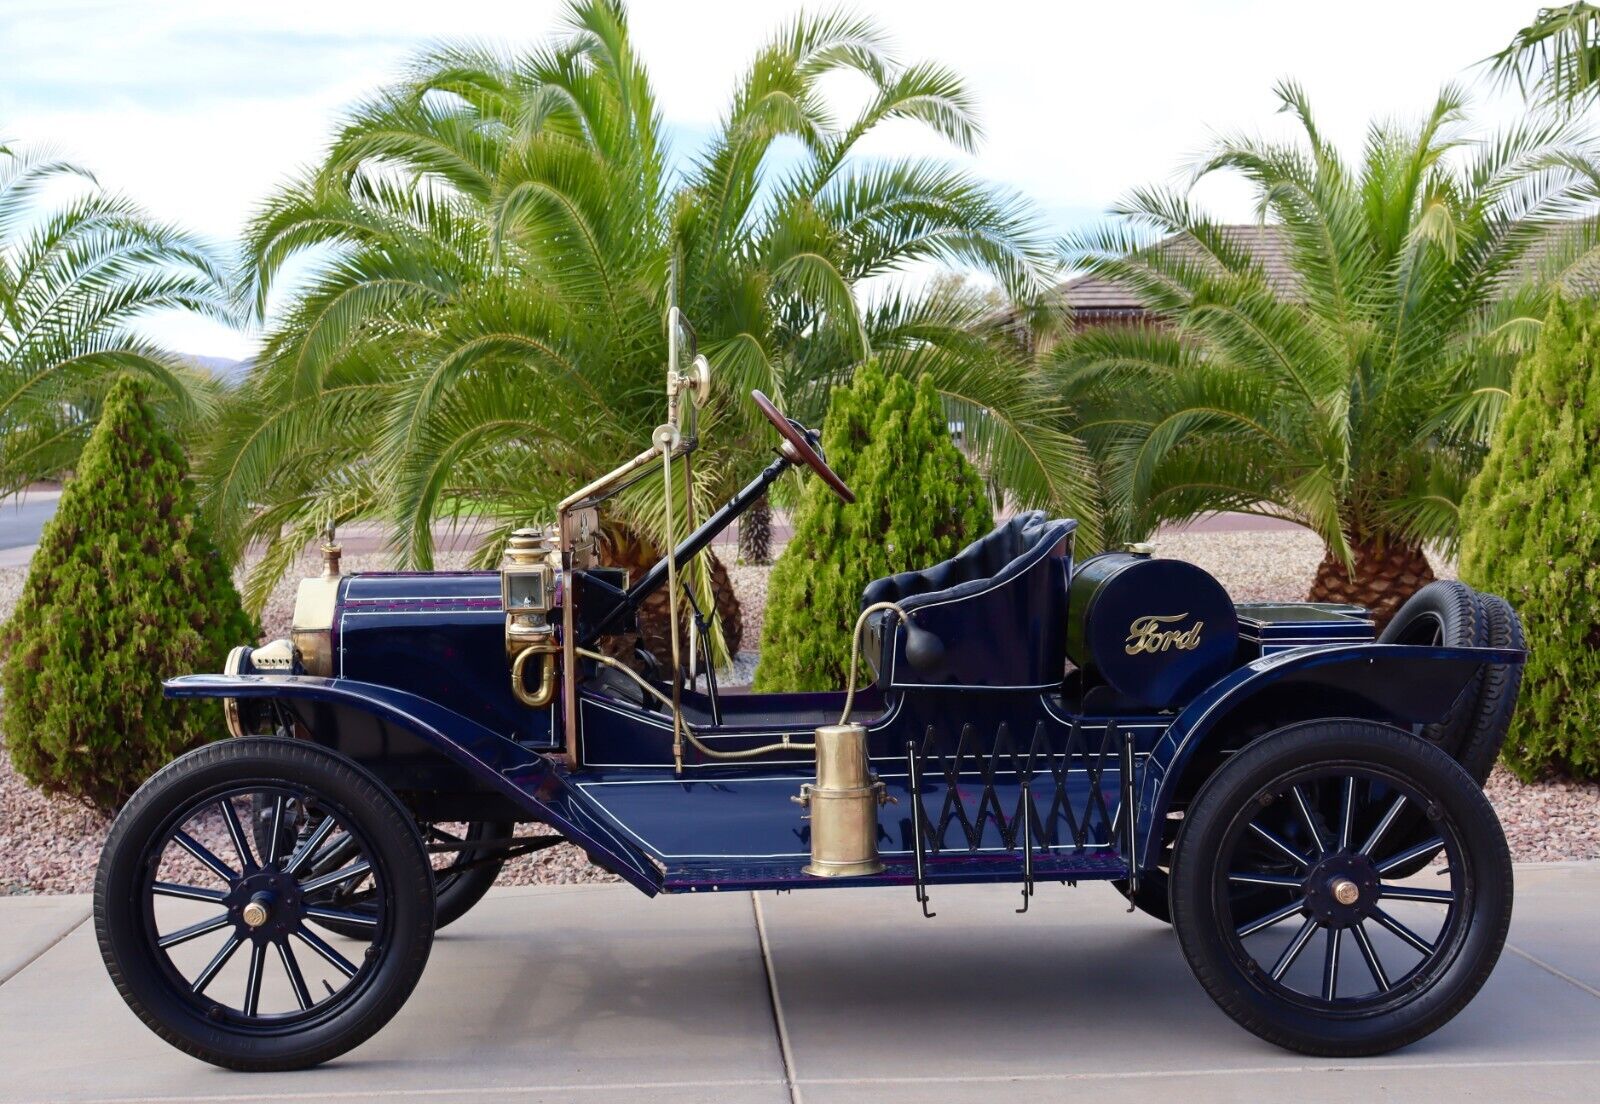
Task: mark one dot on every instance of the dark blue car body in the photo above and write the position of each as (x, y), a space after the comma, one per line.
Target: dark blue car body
(1003, 762)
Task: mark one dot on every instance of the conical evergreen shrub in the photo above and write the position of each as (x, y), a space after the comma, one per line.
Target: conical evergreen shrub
(918, 501)
(1532, 521)
(125, 590)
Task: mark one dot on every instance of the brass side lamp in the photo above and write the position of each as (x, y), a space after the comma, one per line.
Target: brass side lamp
(527, 594)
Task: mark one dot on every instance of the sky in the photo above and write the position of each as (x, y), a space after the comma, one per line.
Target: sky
(199, 109)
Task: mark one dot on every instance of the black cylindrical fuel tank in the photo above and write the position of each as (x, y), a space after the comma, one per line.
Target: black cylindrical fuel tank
(1156, 631)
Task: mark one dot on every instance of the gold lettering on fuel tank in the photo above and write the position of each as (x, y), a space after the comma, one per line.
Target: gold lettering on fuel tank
(1146, 635)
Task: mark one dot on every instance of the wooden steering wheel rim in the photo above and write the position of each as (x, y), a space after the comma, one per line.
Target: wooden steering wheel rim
(798, 448)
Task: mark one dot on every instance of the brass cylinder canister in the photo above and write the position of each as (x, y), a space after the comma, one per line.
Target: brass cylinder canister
(843, 805)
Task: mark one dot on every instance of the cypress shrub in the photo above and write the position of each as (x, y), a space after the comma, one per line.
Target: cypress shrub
(124, 591)
(918, 501)
(1533, 535)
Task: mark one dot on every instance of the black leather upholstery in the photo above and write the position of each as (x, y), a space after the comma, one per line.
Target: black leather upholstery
(998, 607)
(974, 566)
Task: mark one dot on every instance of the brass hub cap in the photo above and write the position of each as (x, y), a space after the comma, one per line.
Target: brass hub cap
(265, 904)
(256, 912)
(1341, 890)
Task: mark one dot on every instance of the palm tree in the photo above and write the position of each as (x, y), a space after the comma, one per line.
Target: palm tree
(1354, 396)
(496, 242)
(73, 281)
(1556, 58)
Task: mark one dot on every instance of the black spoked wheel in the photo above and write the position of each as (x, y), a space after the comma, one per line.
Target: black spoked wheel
(1292, 901)
(461, 874)
(213, 937)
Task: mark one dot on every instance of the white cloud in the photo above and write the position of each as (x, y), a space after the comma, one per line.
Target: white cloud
(198, 108)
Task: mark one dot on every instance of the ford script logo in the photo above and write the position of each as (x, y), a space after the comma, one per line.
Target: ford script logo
(1150, 635)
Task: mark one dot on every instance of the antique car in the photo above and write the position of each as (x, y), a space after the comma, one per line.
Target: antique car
(1298, 796)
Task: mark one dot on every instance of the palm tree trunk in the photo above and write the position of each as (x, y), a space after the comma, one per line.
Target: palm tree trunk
(622, 547)
(755, 533)
(1385, 575)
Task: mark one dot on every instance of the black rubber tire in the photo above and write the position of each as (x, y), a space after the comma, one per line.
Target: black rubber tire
(1497, 693)
(396, 851)
(1444, 613)
(1255, 771)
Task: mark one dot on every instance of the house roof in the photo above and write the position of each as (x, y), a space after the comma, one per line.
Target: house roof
(1092, 295)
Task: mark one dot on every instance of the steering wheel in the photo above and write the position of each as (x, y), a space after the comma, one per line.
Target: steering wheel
(801, 446)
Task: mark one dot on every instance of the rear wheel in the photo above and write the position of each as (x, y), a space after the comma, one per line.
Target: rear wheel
(1444, 614)
(1497, 694)
(1288, 900)
(212, 938)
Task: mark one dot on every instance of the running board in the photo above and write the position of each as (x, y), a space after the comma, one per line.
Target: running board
(950, 869)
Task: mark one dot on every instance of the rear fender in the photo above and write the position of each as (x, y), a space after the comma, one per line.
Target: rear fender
(1401, 685)
(413, 744)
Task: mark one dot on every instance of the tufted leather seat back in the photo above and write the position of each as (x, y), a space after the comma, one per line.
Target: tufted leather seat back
(998, 607)
(979, 561)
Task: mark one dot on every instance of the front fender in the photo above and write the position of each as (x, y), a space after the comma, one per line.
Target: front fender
(1396, 684)
(532, 782)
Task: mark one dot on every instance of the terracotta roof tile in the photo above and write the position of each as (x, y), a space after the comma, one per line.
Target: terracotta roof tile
(1091, 294)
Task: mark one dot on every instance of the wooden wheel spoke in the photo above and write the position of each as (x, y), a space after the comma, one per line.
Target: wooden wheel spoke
(252, 981)
(1424, 848)
(1292, 951)
(1384, 825)
(207, 859)
(247, 858)
(344, 916)
(309, 845)
(194, 931)
(1370, 953)
(336, 853)
(1330, 965)
(333, 957)
(207, 975)
(1347, 812)
(275, 838)
(186, 892)
(1278, 845)
(1282, 881)
(336, 877)
(1309, 821)
(1276, 916)
(297, 980)
(1406, 935)
(1414, 893)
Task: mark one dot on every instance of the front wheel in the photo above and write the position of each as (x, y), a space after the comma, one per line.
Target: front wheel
(212, 938)
(1290, 900)
(460, 877)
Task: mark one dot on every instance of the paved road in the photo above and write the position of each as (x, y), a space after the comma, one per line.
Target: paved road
(596, 993)
(22, 518)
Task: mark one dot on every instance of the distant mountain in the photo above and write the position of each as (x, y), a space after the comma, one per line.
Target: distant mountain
(230, 372)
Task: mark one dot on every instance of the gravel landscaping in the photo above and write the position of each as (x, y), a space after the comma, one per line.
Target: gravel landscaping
(50, 846)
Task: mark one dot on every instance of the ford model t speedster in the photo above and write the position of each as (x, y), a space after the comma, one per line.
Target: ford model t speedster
(1300, 799)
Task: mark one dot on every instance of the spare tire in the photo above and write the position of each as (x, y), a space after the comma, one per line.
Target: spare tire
(1497, 694)
(1444, 614)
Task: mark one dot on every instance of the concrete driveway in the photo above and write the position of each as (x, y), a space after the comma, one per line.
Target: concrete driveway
(597, 994)
(22, 519)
